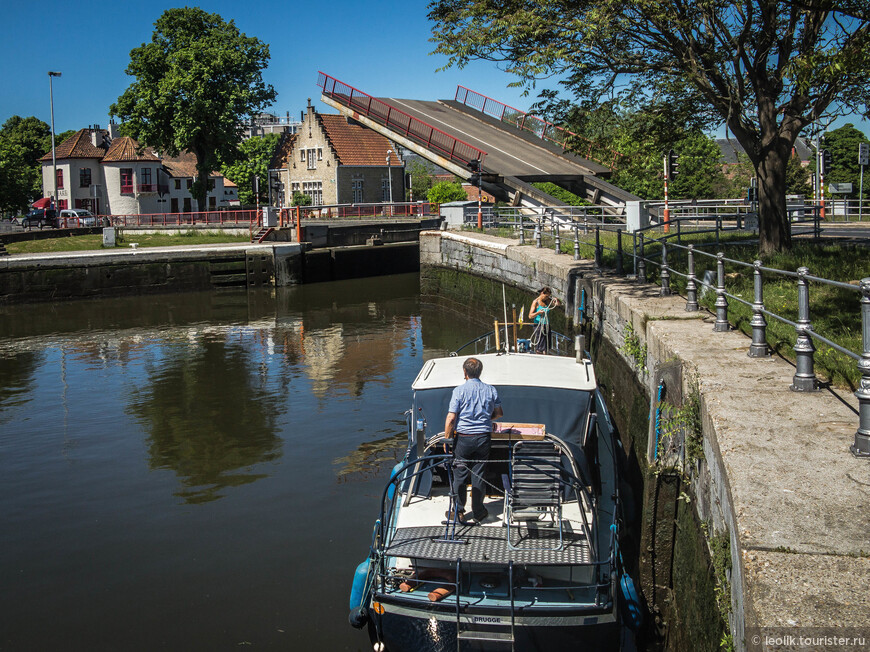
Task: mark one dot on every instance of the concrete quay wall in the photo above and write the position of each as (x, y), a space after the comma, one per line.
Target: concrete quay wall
(775, 477)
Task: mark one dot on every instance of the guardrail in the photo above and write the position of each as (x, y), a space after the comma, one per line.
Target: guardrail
(410, 127)
(804, 379)
(223, 218)
(360, 211)
(531, 124)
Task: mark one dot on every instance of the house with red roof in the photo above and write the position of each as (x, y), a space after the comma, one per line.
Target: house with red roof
(113, 175)
(336, 160)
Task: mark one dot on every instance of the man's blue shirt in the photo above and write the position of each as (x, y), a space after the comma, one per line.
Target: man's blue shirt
(473, 402)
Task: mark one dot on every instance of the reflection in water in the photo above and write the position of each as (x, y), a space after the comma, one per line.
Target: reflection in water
(372, 459)
(209, 382)
(16, 379)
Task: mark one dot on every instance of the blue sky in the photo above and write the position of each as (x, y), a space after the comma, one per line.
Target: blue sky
(380, 47)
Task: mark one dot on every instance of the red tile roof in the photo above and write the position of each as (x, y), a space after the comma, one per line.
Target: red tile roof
(355, 144)
(127, 149)
(183, 165)
(78, 145)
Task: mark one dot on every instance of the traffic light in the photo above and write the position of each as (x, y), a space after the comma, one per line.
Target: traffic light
(825, 161)
(671, 166)
(474, 166)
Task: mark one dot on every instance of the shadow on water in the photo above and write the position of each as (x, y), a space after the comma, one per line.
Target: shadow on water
(182, 395)
(16, 379)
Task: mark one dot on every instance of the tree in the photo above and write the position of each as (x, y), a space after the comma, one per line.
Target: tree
(445, 191)
(22, 142)
(843, 144)
(421, 178)
(195, 82)
(255, 154)
(301, 199)
(766, 68)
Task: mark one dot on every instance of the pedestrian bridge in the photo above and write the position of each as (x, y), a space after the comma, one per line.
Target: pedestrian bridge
(514, 148)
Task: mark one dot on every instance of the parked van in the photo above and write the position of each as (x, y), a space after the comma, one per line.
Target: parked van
(73, 217)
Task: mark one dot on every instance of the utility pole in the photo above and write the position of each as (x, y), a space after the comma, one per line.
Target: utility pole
(670, 172)
(53, 153)
(474, 166)
(863, 159)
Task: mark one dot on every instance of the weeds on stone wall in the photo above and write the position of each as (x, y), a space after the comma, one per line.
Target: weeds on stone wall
(682, 421)
(632, 347)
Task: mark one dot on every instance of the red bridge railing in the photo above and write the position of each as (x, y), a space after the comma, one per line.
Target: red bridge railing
(532, 124)
(410, 127)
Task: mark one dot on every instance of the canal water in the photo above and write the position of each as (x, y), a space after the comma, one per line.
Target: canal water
(201, 471)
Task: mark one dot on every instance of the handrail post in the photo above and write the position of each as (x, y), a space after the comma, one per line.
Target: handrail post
(576, 242)
(619, 262)
(557, 245)
(679, 222)
(718, 229)
(522, 233)
(758, 348)
(641, 264)
(861, 447)
(691, 285)
(805, 376)
(721, 325)
(665, 272)
(634, 253)
(597, 247)
(538, 234)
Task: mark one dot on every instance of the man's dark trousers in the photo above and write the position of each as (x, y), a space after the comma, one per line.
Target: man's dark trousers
(471, 447)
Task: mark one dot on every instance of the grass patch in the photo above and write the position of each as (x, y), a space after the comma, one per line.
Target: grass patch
(95, 241)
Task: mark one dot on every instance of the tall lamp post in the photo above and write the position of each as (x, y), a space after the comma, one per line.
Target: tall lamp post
(53, 154)
(390, 179)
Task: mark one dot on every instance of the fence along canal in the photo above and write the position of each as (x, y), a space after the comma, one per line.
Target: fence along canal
(550, 223)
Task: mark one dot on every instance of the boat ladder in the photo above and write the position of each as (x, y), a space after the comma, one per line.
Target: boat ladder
(471, 633)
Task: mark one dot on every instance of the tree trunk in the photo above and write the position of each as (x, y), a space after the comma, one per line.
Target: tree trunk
(774, 230)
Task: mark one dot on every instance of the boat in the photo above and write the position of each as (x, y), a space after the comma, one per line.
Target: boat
(544, 570)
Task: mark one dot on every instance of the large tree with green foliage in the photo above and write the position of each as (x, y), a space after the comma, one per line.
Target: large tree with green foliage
(22, 142)
(195, 82)
(255, 154)
(843, 144)
(766, 68)
(446, 191)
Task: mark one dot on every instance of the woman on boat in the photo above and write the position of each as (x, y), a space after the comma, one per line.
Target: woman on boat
(539, 311)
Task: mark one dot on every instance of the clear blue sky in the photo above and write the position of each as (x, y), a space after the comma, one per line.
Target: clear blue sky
(380, 47)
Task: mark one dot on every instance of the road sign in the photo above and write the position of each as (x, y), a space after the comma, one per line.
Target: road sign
(840, 188)
(863, 154)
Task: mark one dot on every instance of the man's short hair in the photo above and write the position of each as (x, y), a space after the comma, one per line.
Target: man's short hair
(472, 367)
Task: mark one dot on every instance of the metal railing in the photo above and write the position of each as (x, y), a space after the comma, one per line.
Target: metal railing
(359, 211)
(228, 218)
(552, 225)
(534, 125)
(410, 127)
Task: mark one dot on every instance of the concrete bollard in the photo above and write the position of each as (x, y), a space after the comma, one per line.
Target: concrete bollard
(805, 376)
(758, 348)
(538, 235)
(522, 233)
(576, 242)
(557, 244)
(692, 285)
(721, 325)
(861, 447)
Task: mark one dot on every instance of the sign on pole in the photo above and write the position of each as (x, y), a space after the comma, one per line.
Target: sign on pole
(863, 154)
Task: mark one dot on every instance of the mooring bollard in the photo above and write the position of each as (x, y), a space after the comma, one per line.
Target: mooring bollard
(576, 242)
(597, 248)
(861, 447)
(641, 263)
(665, 272)
(691, 285)
(620, 271)
(721, 325)
(558, 242)
(805, 376)
(538, 235)
(758, 348)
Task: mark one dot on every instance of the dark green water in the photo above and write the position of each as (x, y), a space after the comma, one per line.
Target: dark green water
(200, 471)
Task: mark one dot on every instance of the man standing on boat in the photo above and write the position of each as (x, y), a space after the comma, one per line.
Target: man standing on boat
(473, 406)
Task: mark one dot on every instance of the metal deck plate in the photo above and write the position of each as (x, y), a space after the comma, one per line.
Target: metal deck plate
(488, 545)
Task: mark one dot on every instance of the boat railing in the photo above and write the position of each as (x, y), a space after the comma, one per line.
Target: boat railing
(490, 343)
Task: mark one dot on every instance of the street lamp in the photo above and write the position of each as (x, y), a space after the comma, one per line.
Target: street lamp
(390, 179)
(53, 154)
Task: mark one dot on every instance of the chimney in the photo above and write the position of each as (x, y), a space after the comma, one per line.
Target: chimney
(96, 140)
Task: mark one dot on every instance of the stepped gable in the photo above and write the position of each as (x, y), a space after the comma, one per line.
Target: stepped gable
(127, 149)
(355, 144)
(79, 145)
(281, 157)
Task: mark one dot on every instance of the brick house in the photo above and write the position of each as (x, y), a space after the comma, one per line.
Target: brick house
(112, 175)
(336, 160)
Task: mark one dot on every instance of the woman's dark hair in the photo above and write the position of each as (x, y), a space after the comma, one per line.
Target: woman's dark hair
(472, 367)
(545, 290)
